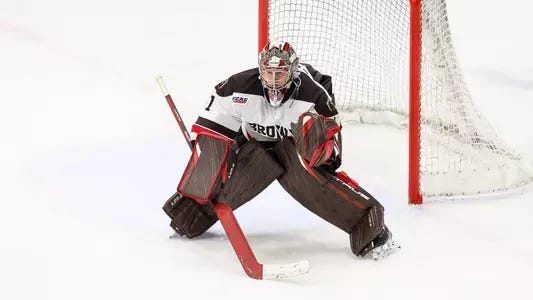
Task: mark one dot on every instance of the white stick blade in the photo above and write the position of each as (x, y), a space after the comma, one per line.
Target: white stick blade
(278, 271)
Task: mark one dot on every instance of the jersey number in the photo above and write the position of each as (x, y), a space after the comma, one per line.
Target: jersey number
(210, 103)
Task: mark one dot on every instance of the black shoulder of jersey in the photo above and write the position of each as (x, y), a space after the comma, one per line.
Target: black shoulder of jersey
(323, 79)
(314, 72)
(243, 82)
(317, 88)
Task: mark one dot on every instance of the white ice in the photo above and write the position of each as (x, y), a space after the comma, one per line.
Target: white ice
(89, 152)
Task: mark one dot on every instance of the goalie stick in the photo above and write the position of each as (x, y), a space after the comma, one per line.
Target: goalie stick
(249, 263)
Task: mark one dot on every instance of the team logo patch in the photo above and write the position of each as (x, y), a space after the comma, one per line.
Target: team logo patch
(239, 100)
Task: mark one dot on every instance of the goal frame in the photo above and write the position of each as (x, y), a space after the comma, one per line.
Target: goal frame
(415, 60)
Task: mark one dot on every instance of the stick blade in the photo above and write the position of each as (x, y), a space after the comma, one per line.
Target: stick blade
(279, 271)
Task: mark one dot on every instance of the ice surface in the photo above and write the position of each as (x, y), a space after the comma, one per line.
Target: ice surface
(90, 152)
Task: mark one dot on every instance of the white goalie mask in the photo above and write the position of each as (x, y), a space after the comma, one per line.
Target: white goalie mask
(278, 67)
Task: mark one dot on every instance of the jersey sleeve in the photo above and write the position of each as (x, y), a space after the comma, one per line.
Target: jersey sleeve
(219, 116)
(325, 105)
(325, 100)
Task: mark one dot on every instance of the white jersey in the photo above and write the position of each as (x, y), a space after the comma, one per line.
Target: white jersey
(239, 103)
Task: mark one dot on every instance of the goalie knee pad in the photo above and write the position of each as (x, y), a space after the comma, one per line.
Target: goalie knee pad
(208, 167)
(243, 173)
(188, 217)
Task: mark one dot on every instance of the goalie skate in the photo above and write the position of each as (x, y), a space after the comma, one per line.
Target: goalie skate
(385, 250)
(382, 246)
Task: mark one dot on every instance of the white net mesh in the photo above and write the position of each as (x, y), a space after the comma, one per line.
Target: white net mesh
(364, 45)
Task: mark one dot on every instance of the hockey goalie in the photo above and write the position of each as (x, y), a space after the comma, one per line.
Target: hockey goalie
(276, 122)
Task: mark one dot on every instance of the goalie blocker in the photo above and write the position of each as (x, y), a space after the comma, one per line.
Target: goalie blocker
(234, 173)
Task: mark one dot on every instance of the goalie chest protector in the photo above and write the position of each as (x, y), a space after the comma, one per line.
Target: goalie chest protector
(239, 102)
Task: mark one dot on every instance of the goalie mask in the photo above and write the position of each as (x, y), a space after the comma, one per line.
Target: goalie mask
(278, 67)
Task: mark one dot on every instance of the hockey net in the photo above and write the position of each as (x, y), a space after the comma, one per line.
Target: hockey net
(365, 46)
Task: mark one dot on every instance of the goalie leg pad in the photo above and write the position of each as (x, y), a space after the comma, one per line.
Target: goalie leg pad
(321, 192)
(189, 218)
(254, 170)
